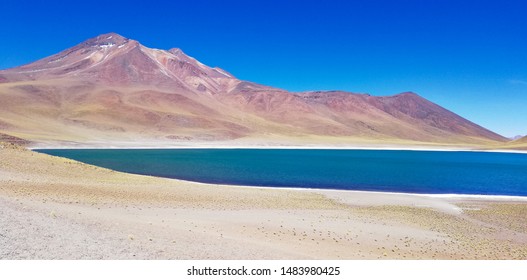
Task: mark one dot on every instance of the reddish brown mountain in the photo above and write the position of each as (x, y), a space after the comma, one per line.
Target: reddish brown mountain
(110, 89)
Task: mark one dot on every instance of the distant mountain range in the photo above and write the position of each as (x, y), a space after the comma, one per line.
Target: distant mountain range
(110, 89)
(522, 140)
(518, 144)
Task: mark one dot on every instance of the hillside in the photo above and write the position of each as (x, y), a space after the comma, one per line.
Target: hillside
(113, 90)
(519, 144)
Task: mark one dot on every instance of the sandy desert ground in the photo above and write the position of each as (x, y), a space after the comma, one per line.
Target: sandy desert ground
(55, 208)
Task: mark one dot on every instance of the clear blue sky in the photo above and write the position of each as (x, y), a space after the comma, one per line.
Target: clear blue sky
(468, 56)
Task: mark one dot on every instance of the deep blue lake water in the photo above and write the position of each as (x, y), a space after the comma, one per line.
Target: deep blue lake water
(433, 172)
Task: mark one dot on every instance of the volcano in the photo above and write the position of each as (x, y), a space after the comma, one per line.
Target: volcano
(110, 89)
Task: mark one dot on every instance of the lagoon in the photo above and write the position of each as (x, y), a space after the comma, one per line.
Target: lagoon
(425, 172)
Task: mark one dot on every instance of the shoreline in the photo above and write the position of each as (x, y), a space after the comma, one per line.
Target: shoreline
(115, 215)
(276, 147)
(486, 197)
(454, 196)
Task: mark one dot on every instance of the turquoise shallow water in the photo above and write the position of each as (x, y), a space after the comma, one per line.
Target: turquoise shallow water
(431, 172)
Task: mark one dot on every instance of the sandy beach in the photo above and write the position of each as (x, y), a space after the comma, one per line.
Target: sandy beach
(277, 144)
(55, 208)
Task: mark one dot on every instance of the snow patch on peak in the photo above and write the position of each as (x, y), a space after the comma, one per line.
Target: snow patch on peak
(183, 56)
(106, 46)
(106, 39)
(221, 71)
(175, 51)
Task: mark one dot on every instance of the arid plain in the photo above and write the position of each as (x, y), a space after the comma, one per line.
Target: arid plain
(55, 208)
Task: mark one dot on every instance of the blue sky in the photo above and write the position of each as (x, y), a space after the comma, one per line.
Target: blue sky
(468, 56)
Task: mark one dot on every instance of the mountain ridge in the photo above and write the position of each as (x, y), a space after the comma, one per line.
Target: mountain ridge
(522, 140)
(111, 88)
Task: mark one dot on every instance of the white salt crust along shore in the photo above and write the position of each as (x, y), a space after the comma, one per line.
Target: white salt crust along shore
(136, 146)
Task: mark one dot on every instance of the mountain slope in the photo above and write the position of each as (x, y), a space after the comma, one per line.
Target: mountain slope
(111, 59)
(520, 144)
(110, 89)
